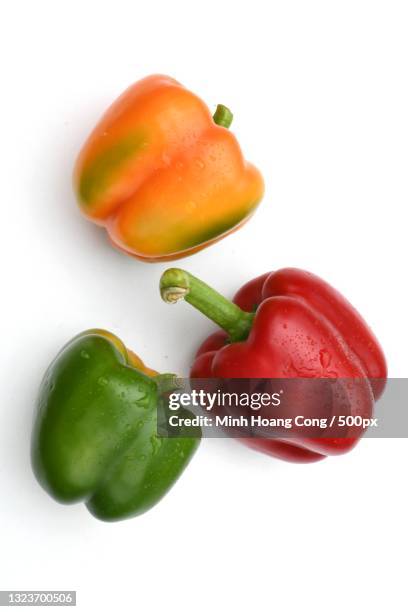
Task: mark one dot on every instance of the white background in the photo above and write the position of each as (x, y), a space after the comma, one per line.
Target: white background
(320, 97)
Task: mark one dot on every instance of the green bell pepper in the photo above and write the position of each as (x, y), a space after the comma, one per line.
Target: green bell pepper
(95, 435)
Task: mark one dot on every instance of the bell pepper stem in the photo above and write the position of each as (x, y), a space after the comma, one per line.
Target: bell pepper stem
(223, 116)
(167, 382)
(177, 284)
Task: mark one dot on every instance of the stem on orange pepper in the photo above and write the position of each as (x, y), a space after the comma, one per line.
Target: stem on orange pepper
(177, 284)
(223, 116)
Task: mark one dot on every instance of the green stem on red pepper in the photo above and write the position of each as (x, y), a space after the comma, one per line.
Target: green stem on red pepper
(177, 284)
(223, 116)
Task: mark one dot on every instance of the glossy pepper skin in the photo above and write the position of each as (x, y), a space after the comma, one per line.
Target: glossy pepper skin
(95, 435)
(285, 324)
(162, 175)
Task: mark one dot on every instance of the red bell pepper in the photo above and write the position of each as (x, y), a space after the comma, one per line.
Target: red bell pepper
(285, 324)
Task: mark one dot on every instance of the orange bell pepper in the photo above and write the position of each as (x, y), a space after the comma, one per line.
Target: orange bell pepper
(162, 175)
